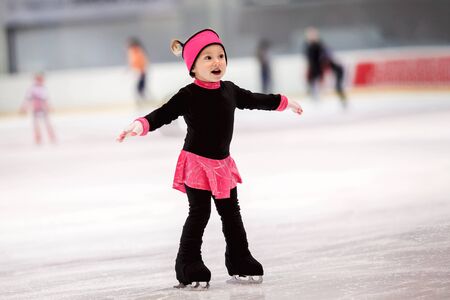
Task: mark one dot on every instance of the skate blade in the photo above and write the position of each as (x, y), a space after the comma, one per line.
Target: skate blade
(245, 280)
(193, 287)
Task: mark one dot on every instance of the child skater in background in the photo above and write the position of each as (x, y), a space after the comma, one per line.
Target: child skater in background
(138, 61)
(205, 168)
(37, 102)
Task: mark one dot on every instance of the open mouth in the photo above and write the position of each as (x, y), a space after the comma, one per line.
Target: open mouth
(216, 72)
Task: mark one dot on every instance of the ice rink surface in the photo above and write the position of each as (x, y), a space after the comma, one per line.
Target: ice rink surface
(337, 205)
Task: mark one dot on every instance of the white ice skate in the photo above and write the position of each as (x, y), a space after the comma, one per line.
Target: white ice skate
(197, 286)
(236, 279)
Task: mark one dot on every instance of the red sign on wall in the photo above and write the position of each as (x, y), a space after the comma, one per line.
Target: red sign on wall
(433, 71)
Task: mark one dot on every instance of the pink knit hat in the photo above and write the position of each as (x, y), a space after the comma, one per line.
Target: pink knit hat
(194, 45)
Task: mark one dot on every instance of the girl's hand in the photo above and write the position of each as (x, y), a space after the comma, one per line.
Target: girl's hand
(24, 108)
(295, 107)
(133, 129)
(22, 111)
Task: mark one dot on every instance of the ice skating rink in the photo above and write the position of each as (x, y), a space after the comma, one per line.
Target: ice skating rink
(337, 205)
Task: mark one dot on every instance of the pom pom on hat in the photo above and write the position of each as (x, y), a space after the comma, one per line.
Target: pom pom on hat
(177, 47)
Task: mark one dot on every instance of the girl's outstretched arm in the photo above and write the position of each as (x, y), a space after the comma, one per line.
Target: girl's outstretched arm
(24, 107)
(135, 128)
(295, 107)
(168, 112)
(249, 100)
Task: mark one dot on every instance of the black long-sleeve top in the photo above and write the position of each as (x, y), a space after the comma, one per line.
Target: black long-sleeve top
(209, 115)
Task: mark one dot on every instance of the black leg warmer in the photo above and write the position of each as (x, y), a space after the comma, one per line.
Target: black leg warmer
(189, 266)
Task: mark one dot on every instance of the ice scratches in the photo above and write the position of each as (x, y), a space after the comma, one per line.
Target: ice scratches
(218, 290)
(427, 234)
(88, 261)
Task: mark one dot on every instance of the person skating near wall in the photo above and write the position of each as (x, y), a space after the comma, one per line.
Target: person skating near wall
(265, 68)
(319, 60)
(138, 62)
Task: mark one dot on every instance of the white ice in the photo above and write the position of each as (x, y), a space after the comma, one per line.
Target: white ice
(337, 205)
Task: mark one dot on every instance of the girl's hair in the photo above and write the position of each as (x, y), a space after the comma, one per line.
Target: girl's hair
(176, 47)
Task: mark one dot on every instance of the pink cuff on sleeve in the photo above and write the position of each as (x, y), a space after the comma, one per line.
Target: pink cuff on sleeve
(145, 125)
(283, 103)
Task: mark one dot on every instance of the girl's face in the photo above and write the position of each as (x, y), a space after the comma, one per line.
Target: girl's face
(211, 64)
(39, 79)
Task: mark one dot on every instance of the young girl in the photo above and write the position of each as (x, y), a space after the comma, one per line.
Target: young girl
(205, 168)
(37, 101)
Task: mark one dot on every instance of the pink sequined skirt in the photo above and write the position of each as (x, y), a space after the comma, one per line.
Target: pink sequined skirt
(216, 175)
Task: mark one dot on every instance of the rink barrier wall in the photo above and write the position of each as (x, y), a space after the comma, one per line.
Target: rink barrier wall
(114, 86)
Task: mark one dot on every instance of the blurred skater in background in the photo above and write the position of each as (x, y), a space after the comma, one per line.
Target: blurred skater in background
(36, 102)
(263, 56)
(138, 62)
(320, 60)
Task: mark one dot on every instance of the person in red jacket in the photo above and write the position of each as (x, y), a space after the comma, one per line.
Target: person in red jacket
(205, 168)
(138, 61)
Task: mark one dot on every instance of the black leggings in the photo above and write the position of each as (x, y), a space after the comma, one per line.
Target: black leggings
(199, 213)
